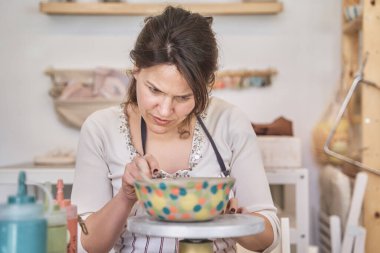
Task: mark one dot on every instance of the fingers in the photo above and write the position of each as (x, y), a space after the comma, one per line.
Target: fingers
(140, 164)
(152, 162)
(242, 210)
(232, 206)
(128, 180)
(146, 164)
(143, 166)
(130, 173)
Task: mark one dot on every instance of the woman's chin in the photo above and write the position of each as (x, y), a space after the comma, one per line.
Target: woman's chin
(157, 129)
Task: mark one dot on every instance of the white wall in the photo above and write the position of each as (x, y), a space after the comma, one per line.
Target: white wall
(302, 43)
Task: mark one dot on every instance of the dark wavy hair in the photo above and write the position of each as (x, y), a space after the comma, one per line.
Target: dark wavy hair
(183, 39)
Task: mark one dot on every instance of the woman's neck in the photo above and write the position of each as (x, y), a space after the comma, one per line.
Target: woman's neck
(162, 146)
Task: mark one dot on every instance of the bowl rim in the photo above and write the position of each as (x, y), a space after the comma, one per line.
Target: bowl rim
(178, 181)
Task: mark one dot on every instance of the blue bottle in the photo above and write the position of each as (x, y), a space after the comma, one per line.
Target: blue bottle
(22, 223)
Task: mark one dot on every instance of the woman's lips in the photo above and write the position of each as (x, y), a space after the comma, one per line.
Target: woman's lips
(160, 121)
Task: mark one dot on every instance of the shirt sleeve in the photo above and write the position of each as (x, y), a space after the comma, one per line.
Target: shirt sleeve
(251, 188)
(92, 188)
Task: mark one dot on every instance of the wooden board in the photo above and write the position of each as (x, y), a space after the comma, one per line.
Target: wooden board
(371, 122)
(78, 8)
(350, 61)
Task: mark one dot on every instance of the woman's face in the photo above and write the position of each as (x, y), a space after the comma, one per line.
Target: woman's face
(163, 96)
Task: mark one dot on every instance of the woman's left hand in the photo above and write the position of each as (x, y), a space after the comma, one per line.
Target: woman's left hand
(232, 207)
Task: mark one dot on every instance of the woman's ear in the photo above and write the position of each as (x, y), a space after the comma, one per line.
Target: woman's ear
(135, 71)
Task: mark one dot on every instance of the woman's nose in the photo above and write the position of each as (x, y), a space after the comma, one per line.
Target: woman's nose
(166, 106)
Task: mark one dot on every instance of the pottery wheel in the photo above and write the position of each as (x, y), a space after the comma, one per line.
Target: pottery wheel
(223, 226)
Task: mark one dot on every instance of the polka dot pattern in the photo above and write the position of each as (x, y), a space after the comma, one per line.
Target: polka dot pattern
(185, 199)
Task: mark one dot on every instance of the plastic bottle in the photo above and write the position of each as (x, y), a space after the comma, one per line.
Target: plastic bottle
(71, 216)
(23, 227)
(57, 231)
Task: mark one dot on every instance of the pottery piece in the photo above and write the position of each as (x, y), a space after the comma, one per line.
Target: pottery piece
(185, 199)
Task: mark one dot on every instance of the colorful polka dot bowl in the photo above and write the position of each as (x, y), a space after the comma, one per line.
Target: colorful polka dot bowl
(185, 199)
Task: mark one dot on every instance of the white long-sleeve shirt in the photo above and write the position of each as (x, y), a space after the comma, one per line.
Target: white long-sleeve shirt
(105, 147)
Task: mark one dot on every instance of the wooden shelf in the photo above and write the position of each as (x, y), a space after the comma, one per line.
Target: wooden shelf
(242, 73)
(65, 8)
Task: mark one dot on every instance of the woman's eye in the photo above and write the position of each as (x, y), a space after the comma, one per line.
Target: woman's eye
(183, 99)
(154, 90)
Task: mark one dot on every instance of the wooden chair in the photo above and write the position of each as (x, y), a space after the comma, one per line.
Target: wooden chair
(285, 235)
(354, 234)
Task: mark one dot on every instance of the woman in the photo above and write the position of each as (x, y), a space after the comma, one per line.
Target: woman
(162, 128)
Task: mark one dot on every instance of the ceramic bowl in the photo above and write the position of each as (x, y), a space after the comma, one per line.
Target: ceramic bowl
(184, 199)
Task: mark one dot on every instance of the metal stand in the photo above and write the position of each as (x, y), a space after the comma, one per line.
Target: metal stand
(197, 234)
(195, 246)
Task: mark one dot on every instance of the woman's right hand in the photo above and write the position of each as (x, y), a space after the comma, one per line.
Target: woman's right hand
(146, 164)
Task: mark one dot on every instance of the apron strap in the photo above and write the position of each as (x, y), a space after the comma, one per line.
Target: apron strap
(218, 156)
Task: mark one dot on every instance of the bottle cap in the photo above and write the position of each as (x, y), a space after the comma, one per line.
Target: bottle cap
(60, 198)
(21, 197)
(71, 210)
(21, 206)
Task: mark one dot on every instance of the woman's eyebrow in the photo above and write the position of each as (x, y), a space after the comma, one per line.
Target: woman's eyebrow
(151, 84)
(185, 95)
(154, 86)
